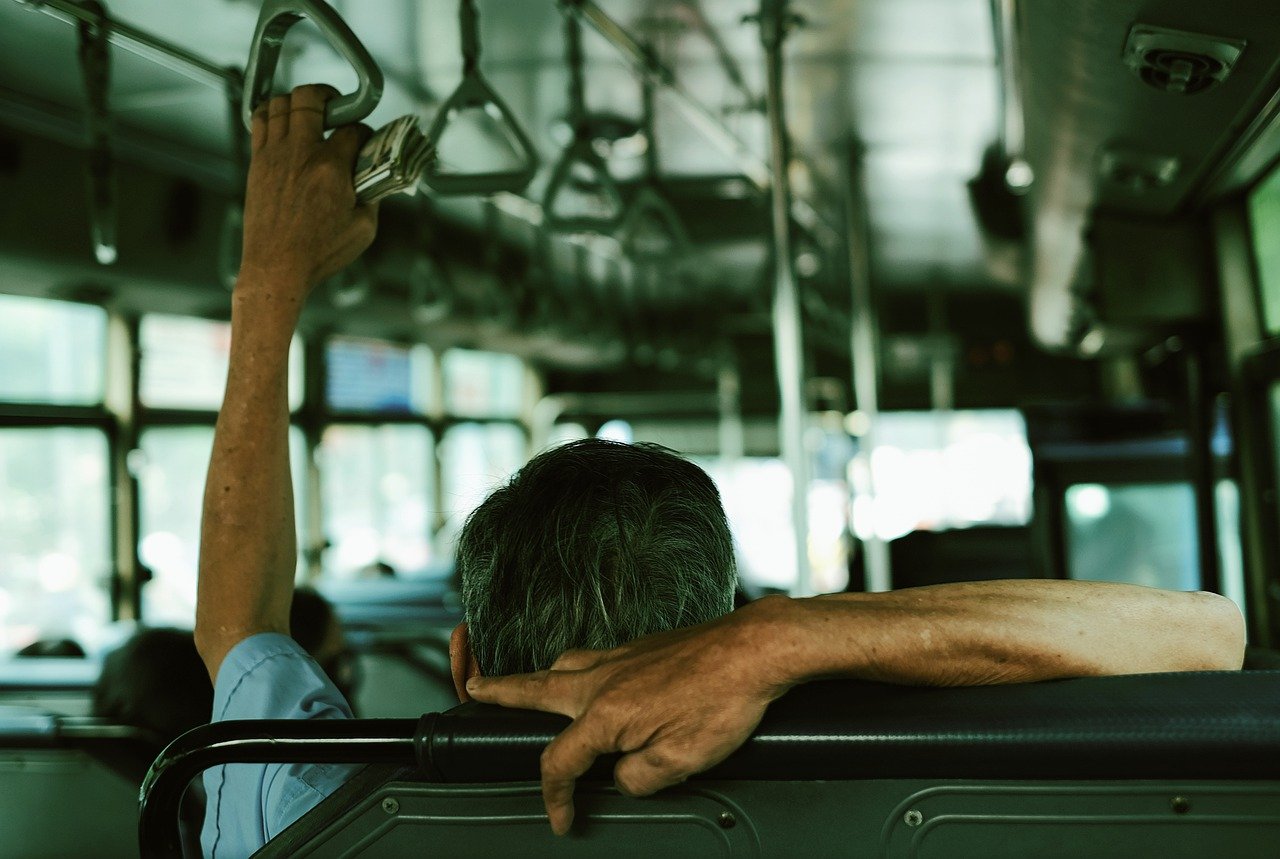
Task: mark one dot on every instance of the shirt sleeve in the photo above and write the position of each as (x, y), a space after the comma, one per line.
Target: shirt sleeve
(267, 676)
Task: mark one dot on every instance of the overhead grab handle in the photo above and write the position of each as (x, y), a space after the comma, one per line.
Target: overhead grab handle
(474, 93)
(274, 21)
(651, 231)
(580, 173)
(95, 66)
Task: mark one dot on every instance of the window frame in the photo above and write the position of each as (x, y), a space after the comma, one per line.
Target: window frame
(123, 418)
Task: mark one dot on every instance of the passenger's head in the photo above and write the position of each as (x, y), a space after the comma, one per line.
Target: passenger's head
(590, 545)
(155, 681)
(315, 626)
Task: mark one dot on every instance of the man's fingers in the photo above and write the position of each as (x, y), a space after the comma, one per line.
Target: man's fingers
(306, 111)
(258, 127)
(278, 118)
(564, 760)
(548, 691)
(347, 140)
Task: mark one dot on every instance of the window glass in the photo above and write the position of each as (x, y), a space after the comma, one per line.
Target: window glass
(1142, 533)
(483, 384)
(933, 471)
(55, 551)
(51, 351)
(474, 460)
(378, 489)
(184, 363)
(756, 493)
(171, 473)
(1264, 216)
(376, 376)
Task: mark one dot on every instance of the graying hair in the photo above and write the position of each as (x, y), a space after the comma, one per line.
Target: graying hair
(591, 545)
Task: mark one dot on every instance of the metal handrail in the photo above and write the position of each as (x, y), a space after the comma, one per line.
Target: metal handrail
(332, 741)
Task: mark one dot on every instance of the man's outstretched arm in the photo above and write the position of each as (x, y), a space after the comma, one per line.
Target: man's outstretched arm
(676, 703)
(302, 224)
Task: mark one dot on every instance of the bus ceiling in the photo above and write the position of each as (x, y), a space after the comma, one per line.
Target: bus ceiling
(1056, 151)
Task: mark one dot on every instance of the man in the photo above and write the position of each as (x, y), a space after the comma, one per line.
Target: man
(588, 547)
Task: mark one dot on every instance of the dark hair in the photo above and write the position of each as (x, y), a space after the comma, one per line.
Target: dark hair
(157, 681)
(310, 617)
(590, 545)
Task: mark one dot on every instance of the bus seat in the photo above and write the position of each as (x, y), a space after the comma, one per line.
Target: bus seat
(62, 791)
(1164, 764)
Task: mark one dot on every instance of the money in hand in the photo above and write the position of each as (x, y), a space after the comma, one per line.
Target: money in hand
(392, 161)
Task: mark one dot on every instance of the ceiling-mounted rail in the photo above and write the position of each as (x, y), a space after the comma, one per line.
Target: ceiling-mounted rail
(645, 63)
(138, 42)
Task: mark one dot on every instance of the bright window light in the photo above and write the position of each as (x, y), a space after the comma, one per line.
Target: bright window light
(933, 471)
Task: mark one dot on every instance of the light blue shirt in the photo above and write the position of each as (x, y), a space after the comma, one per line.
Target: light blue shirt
(267, 676)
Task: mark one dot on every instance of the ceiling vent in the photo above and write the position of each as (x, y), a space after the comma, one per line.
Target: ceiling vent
(1138, 172)
(1180, 63)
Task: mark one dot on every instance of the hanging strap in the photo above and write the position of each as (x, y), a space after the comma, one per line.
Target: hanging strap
(579, 163)
(474, 93)
(95, 67)
(274, 22)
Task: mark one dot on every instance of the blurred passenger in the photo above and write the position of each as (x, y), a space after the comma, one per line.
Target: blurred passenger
(155, 681)
(315, 626)
(52, 648)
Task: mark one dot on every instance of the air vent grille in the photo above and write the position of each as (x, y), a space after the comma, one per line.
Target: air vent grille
(1180, 63)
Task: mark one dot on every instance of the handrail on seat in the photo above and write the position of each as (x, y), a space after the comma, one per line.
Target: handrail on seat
(274, 22)
(1160, 726)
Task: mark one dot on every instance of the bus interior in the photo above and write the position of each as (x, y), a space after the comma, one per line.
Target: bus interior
(934, 290)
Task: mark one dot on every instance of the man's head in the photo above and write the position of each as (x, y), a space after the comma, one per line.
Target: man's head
(591, 545)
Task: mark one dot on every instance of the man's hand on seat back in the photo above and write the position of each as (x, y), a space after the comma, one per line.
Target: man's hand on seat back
(672, 704)
(676, 703)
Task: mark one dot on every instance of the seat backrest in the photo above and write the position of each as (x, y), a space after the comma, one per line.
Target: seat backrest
(1170, 765)
(63, 791)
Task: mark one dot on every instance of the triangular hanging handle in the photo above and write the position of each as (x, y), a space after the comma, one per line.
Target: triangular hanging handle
(475, 93)
(650, 206)
(581, 152)
(274, 21)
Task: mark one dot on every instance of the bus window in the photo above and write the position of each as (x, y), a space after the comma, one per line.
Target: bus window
(483, 384)
(1264, 216)
(378, 498)
(51, 351)
(363, 375)
(184, 363)
(171, 474)
(1143, 534)
(474, 459)
(55, 552)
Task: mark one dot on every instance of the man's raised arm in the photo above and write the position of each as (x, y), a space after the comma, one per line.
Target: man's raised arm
(301, 225)
(676, 703)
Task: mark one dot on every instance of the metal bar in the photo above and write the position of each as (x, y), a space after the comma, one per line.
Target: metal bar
(864, 352)
(279, 741)
(123, 362)
(1200, 465)
(138, 42)
(732, 434)
(788, 335)
(1254, 455)
(699, 115)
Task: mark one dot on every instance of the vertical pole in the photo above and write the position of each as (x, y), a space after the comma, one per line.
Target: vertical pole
(1200, 426)
(788, 337)
(866, 363)
(122, 404)
(729, 395)
(941, 363)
